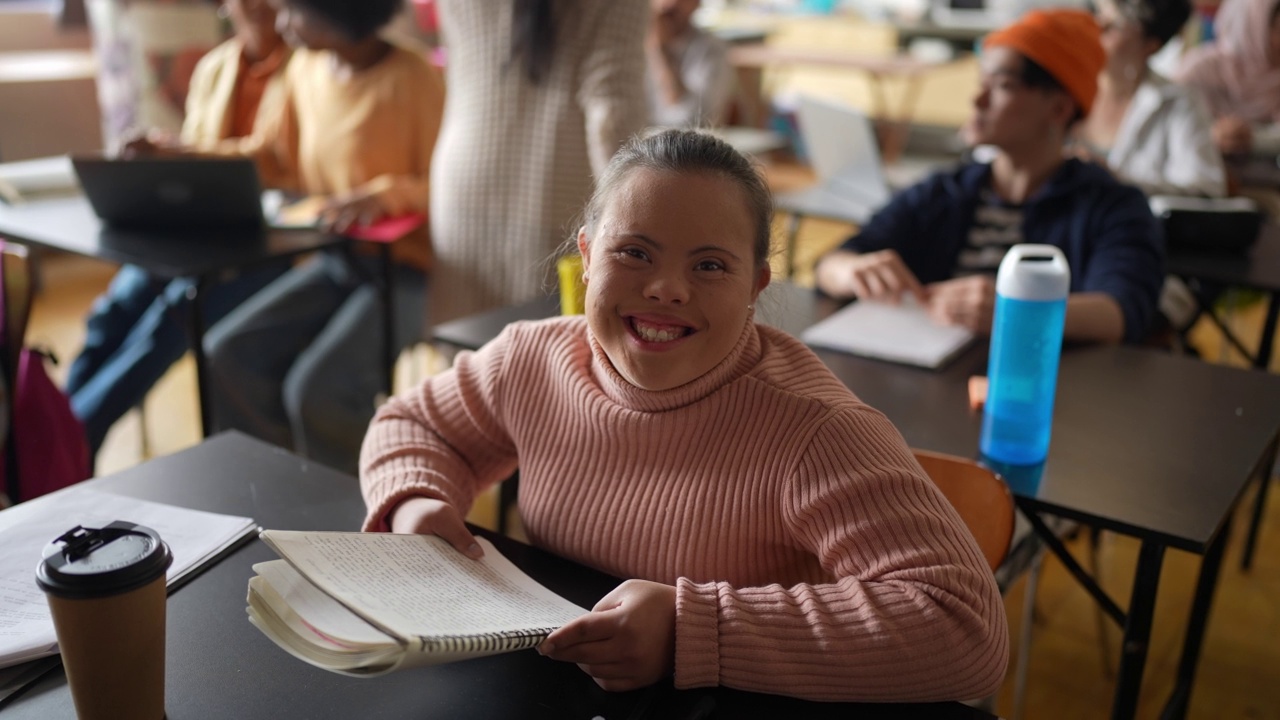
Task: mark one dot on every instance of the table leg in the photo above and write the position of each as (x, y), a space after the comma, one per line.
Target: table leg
(195, 319)
(1259, 503)
(1206, 584)
(1137, 630)
(388, 318)
(1265, 346)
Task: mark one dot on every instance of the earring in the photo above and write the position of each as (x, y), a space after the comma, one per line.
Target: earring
(584, 277)
(751, 307)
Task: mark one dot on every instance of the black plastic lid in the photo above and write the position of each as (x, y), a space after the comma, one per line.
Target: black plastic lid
(97, 562)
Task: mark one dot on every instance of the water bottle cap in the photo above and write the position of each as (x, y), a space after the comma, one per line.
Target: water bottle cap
(1034, 272)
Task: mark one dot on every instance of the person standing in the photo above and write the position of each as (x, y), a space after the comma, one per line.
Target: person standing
(541, 94)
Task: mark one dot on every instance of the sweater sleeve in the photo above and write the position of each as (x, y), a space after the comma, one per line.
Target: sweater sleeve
(1192, 163)
(446, 439)
(912, 612)
(1126, 258)
(611, 91)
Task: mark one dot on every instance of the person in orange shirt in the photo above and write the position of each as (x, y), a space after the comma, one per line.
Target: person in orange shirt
(299, 364)
(134, 332)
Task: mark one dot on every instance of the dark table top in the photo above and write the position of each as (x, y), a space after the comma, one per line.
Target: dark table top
(69, 224)
(1144, 443)
(220, 666)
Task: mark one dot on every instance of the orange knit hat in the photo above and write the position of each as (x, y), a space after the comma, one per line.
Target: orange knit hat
(1066, 43)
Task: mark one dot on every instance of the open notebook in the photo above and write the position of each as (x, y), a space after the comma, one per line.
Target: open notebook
(901, 333)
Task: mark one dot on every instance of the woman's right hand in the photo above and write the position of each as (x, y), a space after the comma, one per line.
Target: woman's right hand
(1232, 135)
(428, 516)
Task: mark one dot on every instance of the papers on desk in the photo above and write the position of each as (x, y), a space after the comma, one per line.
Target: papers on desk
(35, 179)
(26, 631)
(899, 333)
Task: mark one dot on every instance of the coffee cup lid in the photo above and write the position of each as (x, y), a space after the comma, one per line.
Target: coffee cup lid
(95, 562)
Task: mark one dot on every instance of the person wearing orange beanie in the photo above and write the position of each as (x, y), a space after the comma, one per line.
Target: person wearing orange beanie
(942, 240)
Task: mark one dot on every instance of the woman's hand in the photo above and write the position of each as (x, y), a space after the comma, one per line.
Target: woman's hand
(355, 208)
(152, 143)
(1232, 135)
(428, 516)
(627, 641)
(878, 275)
(968, 302)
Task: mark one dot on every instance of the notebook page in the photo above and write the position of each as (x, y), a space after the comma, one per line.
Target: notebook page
(418, 586)
(901, 333)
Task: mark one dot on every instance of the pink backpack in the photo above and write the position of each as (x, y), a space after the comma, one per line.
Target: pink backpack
(45, 447)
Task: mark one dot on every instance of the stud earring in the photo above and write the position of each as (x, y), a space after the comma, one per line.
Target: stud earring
(584, 276)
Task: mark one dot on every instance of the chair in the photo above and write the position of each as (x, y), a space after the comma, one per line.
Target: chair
(985, 504)
(979, 496)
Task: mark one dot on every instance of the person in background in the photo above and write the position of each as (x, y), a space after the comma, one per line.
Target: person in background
(299, 364)
(135, 331)
(942, 239)
(689, 79)
(541, 94)
(1148, 131)
(1239, 72)
(778, 534)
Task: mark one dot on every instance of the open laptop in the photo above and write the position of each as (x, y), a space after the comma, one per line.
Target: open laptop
(172, 193)
(843, 151)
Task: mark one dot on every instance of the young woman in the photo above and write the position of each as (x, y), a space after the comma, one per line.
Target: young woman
(134, 333)
(1147, 130)
(1239, 72)
(779, 535)
(298, 363)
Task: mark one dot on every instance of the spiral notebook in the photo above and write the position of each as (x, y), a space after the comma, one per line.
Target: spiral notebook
(366, 604)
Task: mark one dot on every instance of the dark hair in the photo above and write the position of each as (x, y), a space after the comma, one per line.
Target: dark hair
(1035, 76)
(1275, 13)
(688, 151)
(356, 19)
(533, 36)
(1160, 19)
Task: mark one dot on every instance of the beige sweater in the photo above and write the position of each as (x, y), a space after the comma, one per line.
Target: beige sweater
(515, 161)
(811, 555)
(213, 89)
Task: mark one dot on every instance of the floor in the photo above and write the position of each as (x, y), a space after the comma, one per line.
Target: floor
(1072, 675)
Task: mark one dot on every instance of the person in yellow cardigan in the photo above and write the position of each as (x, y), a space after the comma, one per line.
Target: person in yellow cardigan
(299, 364)
(134, 331)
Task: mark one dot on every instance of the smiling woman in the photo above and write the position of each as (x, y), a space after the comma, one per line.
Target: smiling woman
(778, 533)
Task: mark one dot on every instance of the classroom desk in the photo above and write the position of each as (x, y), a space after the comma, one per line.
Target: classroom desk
(750, 60)
(1150, 445)
(69, 224)
(218, 665)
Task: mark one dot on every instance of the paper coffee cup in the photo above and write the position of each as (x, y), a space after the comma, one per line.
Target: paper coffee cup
(106, 592)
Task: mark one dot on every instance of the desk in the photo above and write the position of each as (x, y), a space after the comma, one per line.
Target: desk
(1146, 444)
(218, 665)
(68, 224)
(750, 61)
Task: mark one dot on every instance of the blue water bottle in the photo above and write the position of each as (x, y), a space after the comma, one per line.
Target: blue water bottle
(1026, 340)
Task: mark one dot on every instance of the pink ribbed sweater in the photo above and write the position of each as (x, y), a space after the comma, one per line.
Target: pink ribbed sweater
(811, 555)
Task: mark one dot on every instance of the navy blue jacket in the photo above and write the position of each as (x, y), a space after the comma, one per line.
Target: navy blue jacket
(1112, 242)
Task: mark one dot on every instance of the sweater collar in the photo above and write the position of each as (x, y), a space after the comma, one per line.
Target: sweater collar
(744, 356)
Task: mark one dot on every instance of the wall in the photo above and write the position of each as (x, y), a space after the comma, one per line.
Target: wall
(47, 117)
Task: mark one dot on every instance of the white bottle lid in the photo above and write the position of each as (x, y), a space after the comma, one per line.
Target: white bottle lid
(1034, 272)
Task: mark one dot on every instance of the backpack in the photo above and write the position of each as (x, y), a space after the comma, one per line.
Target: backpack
(44, 448)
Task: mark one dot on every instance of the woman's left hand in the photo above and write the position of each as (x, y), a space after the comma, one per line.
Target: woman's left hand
(344, 211)
(627, 641)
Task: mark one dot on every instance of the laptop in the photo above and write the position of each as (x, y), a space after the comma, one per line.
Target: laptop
(843, 151)
(172, 193)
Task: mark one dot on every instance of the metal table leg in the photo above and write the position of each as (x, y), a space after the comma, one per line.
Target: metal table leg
(388, 318)
(1137, 631)
(195, 317)
(1259, 503)
(1206, 584)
